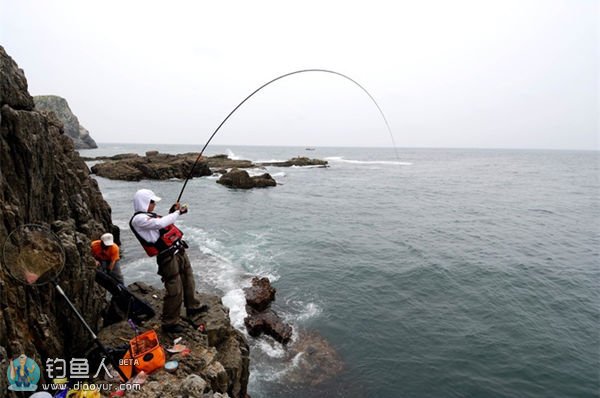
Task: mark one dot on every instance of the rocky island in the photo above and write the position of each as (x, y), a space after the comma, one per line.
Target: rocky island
(161, 166)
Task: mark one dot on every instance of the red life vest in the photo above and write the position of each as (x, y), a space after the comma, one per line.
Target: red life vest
(170, 237)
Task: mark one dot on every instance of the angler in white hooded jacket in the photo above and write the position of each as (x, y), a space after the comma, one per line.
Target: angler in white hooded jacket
(160, 238)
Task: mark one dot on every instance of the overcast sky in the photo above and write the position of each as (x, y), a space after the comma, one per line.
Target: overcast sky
(482, 74)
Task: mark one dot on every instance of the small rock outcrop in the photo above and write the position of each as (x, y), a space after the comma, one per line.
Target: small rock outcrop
(218, 360)
(299, 161)
(75, 131)
(261, 318)
(241, 179)
(260, 295)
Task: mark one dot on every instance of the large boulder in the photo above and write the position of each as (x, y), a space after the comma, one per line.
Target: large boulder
(241, 179)
(79, 134)
(260, 295)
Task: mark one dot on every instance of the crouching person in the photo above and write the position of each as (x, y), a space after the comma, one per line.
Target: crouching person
(106, 253)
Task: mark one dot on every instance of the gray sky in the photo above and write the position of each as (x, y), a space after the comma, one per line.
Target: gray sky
(498, 74)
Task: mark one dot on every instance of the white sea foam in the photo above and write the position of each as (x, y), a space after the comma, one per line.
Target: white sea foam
(271, 348)
(301, 311)
(306, 167)
(255, 172)
(280, 174)
(235, 300)
(270, 161)
(232, 155)
(229, 268)
(340, 159)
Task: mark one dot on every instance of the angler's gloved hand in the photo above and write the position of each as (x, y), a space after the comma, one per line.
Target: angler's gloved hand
(182, 209)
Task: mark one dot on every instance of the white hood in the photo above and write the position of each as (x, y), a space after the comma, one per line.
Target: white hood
(142, 199)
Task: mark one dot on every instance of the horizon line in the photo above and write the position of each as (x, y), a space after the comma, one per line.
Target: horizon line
(352, 146)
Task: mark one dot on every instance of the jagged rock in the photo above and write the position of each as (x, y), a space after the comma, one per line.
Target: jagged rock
(241, 179)
(268, 322)
(260, 295)
(220, 355)
(193, 385)
(299, 161)
(13, 84)
(261, 318)
(44, 181)
(60, 107)
(153, 166)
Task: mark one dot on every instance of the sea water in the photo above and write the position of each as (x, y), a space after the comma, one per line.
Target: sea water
(441, 273)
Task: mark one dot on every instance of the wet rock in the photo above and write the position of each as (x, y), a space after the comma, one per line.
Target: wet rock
(260, 295)
(299, 161)
(268, 322)
(241, 179)
(261, 318)
(315, 360)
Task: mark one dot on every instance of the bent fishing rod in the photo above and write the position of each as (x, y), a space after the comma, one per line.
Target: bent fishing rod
(272, 81)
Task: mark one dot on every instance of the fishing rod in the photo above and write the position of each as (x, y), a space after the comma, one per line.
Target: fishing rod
(272, 81)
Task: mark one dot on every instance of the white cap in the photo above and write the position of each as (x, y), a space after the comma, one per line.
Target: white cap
(154, 198)
(142, 199)
(107, 239)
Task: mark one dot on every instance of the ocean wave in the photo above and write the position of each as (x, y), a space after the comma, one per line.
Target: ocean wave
(340, 159)
(256, 172)
(270, 161)
(271, 348)
(305, 167)
(232, 155)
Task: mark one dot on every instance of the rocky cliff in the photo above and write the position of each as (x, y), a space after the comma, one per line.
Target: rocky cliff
(53, 103)
(44, 181)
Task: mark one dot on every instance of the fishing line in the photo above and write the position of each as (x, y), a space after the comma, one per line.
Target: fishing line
(272, 81)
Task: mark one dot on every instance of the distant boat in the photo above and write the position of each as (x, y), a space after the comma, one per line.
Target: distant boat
(310, 149)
